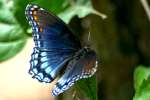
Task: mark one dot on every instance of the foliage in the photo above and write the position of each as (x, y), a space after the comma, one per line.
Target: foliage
(12, 37)
(142, 83)
(14, 27)
(88, 87)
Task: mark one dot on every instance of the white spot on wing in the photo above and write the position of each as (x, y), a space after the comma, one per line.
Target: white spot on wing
(41, 9)
(32, 9)
(30, 12)
(35, 6)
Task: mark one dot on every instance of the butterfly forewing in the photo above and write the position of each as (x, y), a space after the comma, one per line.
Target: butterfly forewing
(54, 43)
(49, 31)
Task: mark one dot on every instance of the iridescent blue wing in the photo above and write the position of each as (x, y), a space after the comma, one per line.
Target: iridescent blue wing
(49, 32)
(45, 65)
(83, 65)
(54, 43)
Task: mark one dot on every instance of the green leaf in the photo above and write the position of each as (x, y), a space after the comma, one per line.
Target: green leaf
(19, 13)
(81, 8)
(88, 87)
(54, 6)
(142, 83)
(66, 10)
(12, 37)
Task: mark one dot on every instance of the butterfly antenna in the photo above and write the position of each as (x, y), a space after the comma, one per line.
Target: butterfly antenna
(88, 41)
(89, 35)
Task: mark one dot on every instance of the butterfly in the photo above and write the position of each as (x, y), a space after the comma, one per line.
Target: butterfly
(57, 48)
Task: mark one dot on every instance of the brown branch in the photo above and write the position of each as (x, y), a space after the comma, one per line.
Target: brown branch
(146, 7)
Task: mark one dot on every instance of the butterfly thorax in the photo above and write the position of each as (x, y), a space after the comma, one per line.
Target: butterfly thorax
(82, 52)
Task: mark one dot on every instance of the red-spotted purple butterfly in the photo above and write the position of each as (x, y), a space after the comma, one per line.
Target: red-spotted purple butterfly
(57, 48)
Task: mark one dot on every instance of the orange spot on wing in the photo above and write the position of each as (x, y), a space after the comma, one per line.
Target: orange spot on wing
(40, 29)
(35, 18)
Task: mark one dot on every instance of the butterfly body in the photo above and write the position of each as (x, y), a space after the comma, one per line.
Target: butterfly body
(57, 48)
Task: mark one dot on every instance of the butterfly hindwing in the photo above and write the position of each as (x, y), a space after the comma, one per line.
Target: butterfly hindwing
(54, 43)
(83, 65)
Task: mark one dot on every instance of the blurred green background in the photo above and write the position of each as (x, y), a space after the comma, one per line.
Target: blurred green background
(120, 34)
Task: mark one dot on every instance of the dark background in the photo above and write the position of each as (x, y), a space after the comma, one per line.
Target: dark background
(122, 42)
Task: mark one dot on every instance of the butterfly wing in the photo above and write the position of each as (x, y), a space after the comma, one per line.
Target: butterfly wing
(82, 66)
(54, 43)
(49, 32)
(45, 65)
